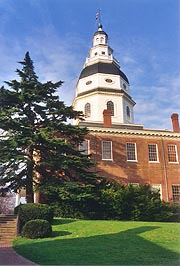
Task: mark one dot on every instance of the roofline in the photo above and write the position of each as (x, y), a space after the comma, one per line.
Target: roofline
(97, 67)
(106, 90)
(135, 132)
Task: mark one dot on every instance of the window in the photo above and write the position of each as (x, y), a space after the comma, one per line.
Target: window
(176, 192)
(87, 110)
(152, 151)
(134, 184)
(88, 82)
(84, 147)
(110, 106)
(172, 153)
(157, 188)
(103, 52)
(128, 112)
(131, 151)
(95, 53)
(101, 39)
(124, 86)
(106, 150)
(108, 80)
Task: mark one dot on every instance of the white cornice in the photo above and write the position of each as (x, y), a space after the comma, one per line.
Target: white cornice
(134, 132)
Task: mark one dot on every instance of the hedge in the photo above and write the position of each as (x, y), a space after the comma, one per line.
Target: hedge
(32, 211)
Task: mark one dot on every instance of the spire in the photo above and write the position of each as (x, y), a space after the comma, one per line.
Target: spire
(99, 26)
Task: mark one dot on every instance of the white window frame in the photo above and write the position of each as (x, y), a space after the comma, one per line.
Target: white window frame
(134, 184)
(110, 106)
(81, 147)
(135, 150)
(157, 155)
(87, 110)
(157, 187)
(172, 192)
(177, 161)
(111, 154)
(128, 113)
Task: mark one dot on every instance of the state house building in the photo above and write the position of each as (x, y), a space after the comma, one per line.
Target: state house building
(122, 150)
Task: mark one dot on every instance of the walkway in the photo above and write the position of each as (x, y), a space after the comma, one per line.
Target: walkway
(8, 256)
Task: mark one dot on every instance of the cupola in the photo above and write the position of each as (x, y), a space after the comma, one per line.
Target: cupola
(102, 85)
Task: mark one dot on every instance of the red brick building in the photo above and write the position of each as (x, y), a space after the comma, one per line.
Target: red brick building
(137, 156)
(122, 150)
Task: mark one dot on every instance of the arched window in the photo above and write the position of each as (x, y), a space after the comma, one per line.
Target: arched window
(110, 106)
(101, 39)
(128, 113)
(87, 110)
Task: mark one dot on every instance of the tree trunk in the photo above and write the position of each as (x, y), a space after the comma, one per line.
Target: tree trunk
(29, 191)
(29, 177)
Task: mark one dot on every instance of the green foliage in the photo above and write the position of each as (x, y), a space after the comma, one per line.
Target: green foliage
(137, 203)
(70, 199)
(32, 211)
(37, 145)
(110, 201)
(37, 229)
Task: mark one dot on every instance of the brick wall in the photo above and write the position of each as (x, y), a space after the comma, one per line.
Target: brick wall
(142, 171)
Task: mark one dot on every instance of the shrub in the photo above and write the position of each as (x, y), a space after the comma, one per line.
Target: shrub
(72, 200)
(138, 203)
(37, 229)
(32, 211)
(109, 200)
(67, 210)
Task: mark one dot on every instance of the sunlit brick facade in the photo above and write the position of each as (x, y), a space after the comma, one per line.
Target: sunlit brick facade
(122, 150)
(138, 157)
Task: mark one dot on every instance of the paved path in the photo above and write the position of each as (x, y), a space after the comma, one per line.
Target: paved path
(8, 256)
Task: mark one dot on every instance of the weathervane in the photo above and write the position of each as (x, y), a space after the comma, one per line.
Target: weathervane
(98, 16)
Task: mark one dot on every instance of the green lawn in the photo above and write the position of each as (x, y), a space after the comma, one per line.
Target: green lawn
(84, 242)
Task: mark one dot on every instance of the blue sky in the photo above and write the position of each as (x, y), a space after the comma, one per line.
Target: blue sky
(144, 34)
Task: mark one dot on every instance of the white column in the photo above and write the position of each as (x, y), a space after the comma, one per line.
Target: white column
(17, 202)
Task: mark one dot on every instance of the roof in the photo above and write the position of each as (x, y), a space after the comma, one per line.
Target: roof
(106, 68)
(100, 32)
(128, 129)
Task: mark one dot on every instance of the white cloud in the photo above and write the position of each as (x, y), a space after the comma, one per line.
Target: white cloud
(155, 86)
(54, 58)
(155, 104)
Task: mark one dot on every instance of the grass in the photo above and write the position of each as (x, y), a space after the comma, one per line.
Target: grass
(84, 242)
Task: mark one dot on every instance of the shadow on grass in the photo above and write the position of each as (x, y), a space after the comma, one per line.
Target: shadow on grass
(123, 248)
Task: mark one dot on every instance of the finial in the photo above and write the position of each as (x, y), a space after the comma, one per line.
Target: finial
(99, 26)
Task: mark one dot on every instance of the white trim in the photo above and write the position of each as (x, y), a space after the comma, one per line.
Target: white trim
(160, 189)
(109, 159)
(134, 184)
(140, 132)
(177, 160)
(135, 152)
(157, 153)
(85, 152)
(178, 185)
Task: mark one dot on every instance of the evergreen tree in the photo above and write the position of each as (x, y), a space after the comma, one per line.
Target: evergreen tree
(37, 145)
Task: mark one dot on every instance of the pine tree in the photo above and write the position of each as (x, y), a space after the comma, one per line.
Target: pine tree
(37, 145)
